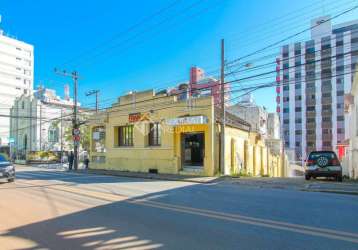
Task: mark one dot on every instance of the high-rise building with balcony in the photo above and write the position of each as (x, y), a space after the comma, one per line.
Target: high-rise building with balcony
(313, 77)
(16, 77)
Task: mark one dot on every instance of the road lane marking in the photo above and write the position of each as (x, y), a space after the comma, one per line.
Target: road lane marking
(309, 230)
(255, 223)
(281, 223)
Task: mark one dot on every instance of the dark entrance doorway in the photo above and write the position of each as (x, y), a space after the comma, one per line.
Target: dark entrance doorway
(192, 149)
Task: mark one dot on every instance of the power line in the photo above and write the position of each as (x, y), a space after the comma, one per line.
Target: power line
(138, 34)
(294, 35)
(240, 80)
(165, 105)
(290, 67)
(331, 18)
(126, 31)
(292, 15)
(269, 34)
(292, 81)
(336, 16)
(276, 54)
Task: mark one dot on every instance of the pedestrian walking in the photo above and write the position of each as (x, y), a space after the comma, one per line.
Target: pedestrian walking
(13, 157)
(86, 161)
(71, 157)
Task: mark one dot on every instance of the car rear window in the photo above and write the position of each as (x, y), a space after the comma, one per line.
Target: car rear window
(316, 155)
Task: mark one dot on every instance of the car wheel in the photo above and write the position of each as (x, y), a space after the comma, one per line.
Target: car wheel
(307, 177)
(339, 178)
(11, 180)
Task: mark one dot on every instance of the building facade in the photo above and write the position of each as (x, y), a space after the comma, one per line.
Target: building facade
(161, 133)
(255, 115)
(273, 126)
(38, 123)
(350, 162)
(313, 77)
(200, 85)
(16, 77)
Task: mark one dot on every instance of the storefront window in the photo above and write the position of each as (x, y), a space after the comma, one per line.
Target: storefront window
(154, 134)
(125, 135)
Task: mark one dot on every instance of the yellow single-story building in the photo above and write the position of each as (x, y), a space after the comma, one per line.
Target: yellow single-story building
(145, 132)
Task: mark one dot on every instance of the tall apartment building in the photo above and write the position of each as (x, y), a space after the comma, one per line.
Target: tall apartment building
(16, 78)
(313, 77)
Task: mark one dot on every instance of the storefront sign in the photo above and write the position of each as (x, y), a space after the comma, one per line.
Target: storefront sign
(188, 120)
(134, 117)
(138, 117)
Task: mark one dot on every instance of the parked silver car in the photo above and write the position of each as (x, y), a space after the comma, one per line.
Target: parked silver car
(7, 170)
(323, 164)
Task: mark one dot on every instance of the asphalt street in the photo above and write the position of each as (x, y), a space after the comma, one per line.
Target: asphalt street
(54, 209)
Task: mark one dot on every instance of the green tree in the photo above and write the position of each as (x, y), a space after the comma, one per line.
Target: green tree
(84, 137)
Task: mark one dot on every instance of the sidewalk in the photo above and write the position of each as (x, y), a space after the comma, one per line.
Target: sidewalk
(295, 183)
(167, 177)
(299, 183)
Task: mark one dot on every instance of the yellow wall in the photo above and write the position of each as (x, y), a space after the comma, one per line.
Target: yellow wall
(235, 137)
(167, 157)
(245, 152)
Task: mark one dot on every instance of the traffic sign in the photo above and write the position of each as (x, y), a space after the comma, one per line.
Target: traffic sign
(76, 138)
(76, 131)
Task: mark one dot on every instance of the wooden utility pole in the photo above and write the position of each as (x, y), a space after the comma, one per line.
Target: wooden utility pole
(75, 123)
(223, 115)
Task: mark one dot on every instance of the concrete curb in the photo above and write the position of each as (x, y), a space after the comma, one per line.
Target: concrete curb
(193, 179)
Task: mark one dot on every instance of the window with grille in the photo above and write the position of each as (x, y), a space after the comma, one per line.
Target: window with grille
(99, 139)
(154, 134)
(53, 134)
(125, 136)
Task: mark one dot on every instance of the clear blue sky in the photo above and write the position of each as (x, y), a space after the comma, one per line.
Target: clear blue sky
(159, 51)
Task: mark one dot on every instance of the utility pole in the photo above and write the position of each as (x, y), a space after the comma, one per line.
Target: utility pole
(40, 126)
(75, 123)
(61, 132)
(223, 115)
(94, 92)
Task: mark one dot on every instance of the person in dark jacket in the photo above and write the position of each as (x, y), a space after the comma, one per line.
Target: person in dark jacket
(86, 162)
(71, 157)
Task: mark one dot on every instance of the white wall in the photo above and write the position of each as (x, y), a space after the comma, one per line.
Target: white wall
(16, 77)
(34, 121)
